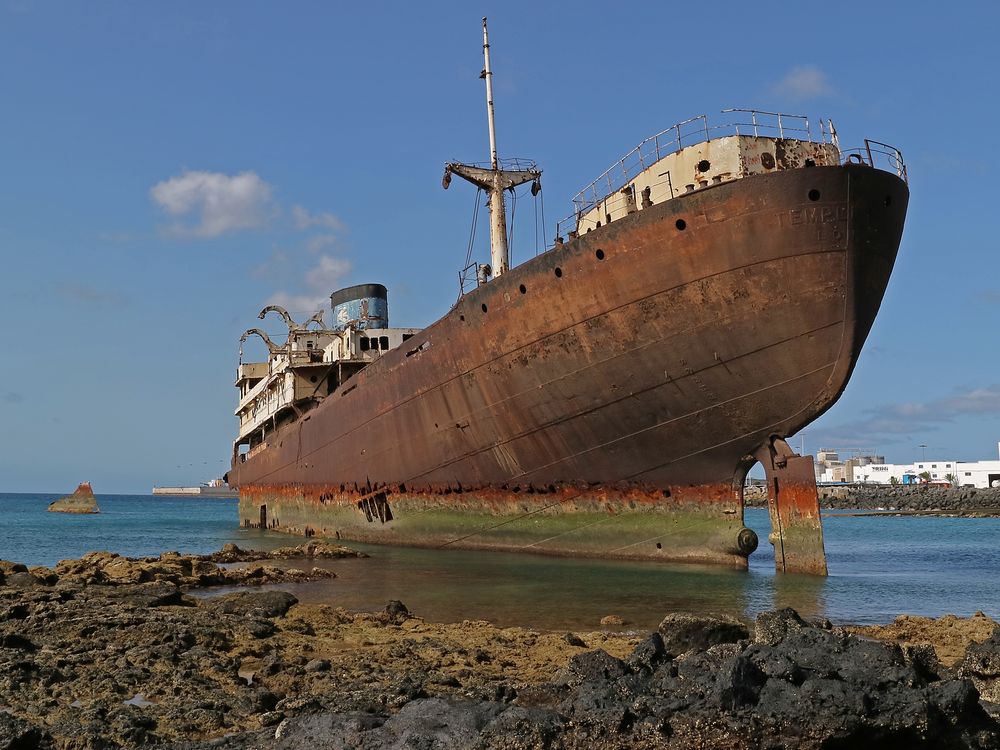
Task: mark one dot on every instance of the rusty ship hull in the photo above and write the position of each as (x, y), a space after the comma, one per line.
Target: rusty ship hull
(607, 397)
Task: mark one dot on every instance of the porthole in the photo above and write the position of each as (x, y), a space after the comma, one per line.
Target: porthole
(704, 165)
(600, 254)
(523, 289)
(558, 272)
(485, 309)
(814, 194)
(681, 225)
(461, 317)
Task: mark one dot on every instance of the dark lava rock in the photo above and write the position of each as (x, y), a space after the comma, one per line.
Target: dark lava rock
(19, 642)
(772, 627)
(17, 734)
(596, 666)
(697, 683)
(24, 580)
(152, 594)
(396, 612)
(982, 665)
(649, 653)
(7, 567)
(685, 632)
(253, 603)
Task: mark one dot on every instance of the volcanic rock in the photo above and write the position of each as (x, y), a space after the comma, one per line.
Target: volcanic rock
(982, 666)
(684, 632)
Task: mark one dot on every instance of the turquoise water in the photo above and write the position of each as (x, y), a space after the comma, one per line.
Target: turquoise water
(879, 567)
(133, 525)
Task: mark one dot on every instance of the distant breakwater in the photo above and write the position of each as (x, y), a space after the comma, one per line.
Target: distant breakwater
(901, 498)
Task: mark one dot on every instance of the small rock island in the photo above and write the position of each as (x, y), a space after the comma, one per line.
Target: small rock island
(81, 501)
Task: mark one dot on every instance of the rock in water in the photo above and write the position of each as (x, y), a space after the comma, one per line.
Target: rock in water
(81, 501)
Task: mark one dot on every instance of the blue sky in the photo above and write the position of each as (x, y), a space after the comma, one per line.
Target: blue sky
(167, 169)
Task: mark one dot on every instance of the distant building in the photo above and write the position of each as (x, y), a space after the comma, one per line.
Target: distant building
(830, 467)
(871, 469)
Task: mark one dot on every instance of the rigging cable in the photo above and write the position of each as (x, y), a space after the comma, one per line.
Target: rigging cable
(541, 199)
(535, 204)
(472, 232)
(510, 232)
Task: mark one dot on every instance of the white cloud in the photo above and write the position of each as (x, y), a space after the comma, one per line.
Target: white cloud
(218, 203)
(274, 265)
(321, 280)
(804, 82)
(891, 422)
(327, 273)
(320, 242)
(304, 220)
(299, 305)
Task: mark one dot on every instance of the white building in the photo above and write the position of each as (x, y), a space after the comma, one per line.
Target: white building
(872, 470)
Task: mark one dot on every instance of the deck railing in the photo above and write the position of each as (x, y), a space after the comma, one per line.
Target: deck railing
(753, 122)
(878, 155)
(688, 133)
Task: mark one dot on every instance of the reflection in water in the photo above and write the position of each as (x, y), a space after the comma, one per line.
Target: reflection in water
(530, 590)
(802, 593)
(879, 567)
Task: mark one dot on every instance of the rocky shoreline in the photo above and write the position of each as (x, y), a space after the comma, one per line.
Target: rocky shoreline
(107, 652)
(918, 499)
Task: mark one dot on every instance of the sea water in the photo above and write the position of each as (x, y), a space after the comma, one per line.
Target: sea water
(880, 566)
(132, 525)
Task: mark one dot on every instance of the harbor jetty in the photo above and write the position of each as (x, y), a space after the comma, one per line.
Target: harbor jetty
(82, 501)
(921, 499)
(216, 488)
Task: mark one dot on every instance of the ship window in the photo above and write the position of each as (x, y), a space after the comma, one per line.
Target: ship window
(558, 272)
(600, 254)
(485, 308)
(365, 344)
(383, 342)
(523, 288)
(933, 466)
(680, 224)
(407, 336)
(704, 165)
(814, 194)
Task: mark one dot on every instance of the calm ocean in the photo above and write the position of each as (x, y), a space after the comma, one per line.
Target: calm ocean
(879, 567)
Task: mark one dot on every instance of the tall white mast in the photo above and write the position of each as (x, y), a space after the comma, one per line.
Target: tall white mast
(488, 75)
(493, 180)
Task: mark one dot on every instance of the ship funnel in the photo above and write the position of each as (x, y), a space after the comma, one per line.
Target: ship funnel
(363, 305)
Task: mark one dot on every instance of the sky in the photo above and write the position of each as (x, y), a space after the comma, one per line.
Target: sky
(166, 169)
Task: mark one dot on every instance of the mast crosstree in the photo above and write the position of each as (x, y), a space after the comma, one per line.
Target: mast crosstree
(494, 180)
